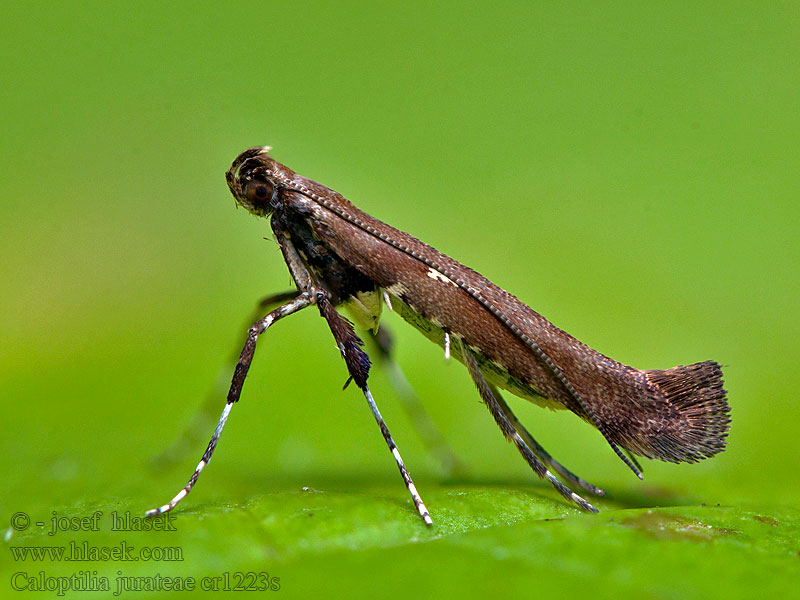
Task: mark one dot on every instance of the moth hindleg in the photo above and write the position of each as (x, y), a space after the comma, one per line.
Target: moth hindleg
(540, 452)
(510, 432)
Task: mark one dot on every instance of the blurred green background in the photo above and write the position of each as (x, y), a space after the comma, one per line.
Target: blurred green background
(630, 171)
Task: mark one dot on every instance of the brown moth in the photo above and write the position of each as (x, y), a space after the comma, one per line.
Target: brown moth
(340, 256)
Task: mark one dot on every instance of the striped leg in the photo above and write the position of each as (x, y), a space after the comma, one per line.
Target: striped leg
(358, 365)
(240, 373)
(203, 419)
(427, 430)
(412, 489)
(540, 452)
(634, 461)
(512, 435)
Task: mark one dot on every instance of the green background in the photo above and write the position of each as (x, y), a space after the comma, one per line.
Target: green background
(630, 171)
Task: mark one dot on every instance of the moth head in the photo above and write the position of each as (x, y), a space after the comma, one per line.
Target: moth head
(255, 180)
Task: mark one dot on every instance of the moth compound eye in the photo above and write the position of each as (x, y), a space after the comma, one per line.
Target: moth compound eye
(258, 192)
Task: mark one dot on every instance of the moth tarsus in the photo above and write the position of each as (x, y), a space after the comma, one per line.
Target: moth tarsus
(341, 257)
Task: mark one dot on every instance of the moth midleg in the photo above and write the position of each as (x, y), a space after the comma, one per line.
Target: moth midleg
(197, 428)
(421, 420)
(358, 366)
(412, 489)
(540, 452)
(510, 432)
(240, 373)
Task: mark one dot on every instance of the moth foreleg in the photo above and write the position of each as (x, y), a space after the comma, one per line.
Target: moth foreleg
(540, 452)
(198, 426)
(240, 373)
(510, 432)
(421, 420)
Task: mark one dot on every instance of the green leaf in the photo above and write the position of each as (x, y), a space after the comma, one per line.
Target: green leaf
(485, 540)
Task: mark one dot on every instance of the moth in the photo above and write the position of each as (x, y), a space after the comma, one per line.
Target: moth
(341, 257)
